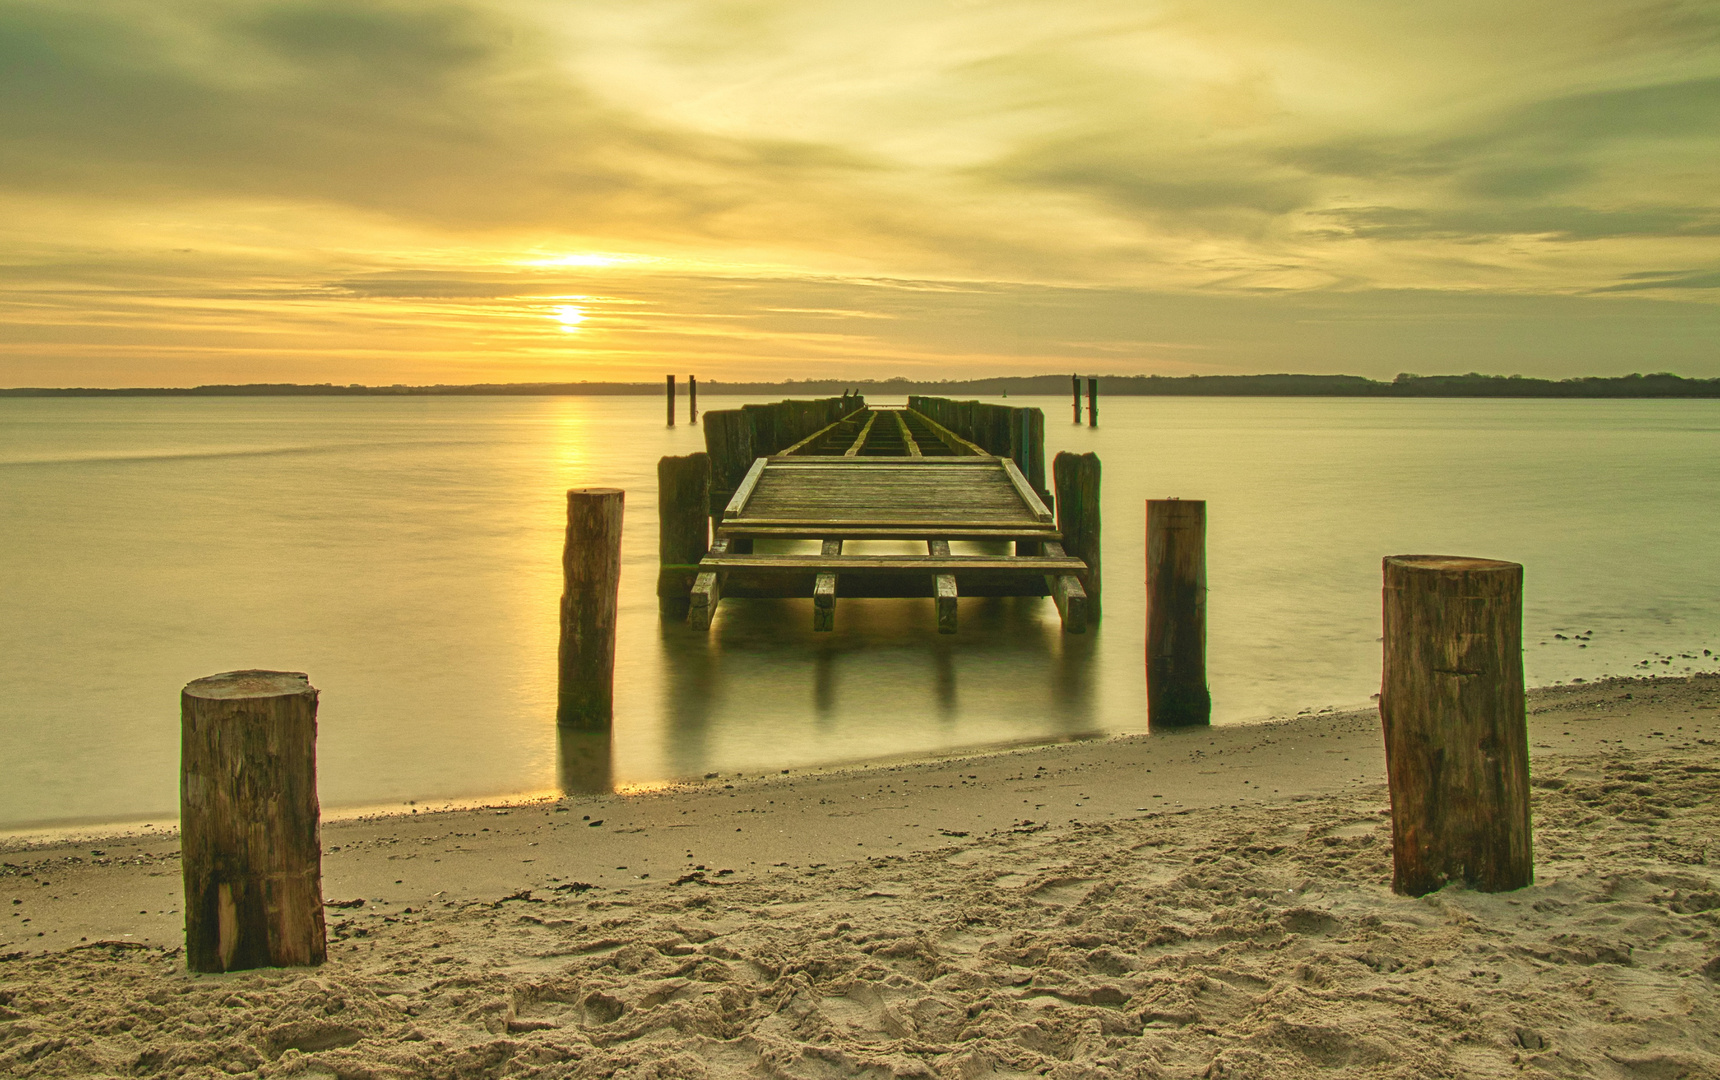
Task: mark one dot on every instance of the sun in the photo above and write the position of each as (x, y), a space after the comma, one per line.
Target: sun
(569, 316)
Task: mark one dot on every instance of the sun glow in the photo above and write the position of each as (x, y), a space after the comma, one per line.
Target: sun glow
(569, 316)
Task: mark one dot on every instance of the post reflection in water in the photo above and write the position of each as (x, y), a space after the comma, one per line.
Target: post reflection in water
(761, 689)
(584, 761)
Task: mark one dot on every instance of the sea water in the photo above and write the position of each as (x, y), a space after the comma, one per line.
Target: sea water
(405, 552)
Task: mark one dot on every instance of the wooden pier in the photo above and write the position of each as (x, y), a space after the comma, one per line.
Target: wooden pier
(891, 474)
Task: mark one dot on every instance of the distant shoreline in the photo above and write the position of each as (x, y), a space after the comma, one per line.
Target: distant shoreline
(1660, 385)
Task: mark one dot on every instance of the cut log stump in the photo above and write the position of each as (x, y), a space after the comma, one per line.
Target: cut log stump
(591, 575)
(1457, 739)
(249, 823)
(1177, 694)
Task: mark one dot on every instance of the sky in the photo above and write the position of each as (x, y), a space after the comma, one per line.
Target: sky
(199, 191)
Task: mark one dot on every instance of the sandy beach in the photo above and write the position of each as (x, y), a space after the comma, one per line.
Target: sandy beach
(1209, 903)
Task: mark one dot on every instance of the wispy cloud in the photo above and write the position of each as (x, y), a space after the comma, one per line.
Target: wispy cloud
(301, 188)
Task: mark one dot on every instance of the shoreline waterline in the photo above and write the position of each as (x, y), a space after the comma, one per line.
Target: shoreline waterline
(165, 827)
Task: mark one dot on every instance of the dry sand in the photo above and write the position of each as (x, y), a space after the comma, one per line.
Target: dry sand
(1211, 904)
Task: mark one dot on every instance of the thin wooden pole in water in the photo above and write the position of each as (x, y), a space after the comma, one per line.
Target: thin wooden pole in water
(692, 399)
(1177, 694)
(591, 572)
(683, 528)
(1075, 381)
(249, 824)
(1076, 479)
(1457, 739)
(671, 381)
(1092, 402)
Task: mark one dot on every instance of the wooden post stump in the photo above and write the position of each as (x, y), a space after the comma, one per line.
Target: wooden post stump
(692, 399)
(591, 571)
(1457, 740)
(1092, 402)
(1075, 381)
(249, 823)
(683, 528)
(1076, 478)
(671, 381)
(1177, 694)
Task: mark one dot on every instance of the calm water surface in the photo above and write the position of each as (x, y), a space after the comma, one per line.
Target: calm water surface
(405, 553)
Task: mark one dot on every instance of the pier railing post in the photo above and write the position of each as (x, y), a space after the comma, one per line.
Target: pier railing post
(591, 572)
(1452, 706)
(249, 823)
(1177, 694)
(683, 528)
(1076, 478)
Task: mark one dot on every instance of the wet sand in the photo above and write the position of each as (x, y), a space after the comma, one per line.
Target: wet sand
(1205, 903)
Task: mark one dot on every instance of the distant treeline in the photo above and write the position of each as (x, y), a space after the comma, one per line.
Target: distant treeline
(1661, 385)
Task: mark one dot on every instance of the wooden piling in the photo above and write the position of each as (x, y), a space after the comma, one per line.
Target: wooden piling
(1075, 382)
(943, 589)
(1076, 478)
(249, 823)
(671, 384)
(824, 593)
(1177, 694)
(591, 572)
(1457, 740)
(692, 399)
(1092, 402)
(683, 528)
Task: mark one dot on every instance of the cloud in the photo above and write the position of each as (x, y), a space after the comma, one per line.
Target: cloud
(1666, 279)
(444, 114)
(1564, 223)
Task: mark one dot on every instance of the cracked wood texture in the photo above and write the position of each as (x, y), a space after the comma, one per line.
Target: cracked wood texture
(249, 823)
(683, 528)
(1177, 694)
(591, 575)
(1076, 477)
(1457, 740)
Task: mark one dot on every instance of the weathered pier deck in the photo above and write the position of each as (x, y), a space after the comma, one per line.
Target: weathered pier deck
(889, 474)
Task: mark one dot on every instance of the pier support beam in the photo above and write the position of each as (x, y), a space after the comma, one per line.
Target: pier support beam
(824, 593)
(1452, 706)
(249, 823)
(1177, 694)
(591, 573)
(707, 591)
(1076, 479)
(683, 528)
(944, 589)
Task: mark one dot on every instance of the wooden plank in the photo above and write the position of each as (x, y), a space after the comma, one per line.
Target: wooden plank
(707, 591)
(1025, 490)
(907, 437)
(811, 462)
(841, 524)
(944, 588)
(824, 593)
(739, 586)
(1067, 594)
(884, 532)
(893, 564)
(812, 439)
(744, 492)
(860, 440)
(951, 439)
